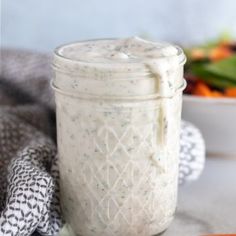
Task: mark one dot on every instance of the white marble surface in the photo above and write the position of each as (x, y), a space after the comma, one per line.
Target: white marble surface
(209, 204)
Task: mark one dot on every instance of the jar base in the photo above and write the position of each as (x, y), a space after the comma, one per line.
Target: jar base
(161, 233)
(68, 232)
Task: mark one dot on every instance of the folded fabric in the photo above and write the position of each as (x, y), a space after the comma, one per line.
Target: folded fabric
(192, 153)
(29, 199)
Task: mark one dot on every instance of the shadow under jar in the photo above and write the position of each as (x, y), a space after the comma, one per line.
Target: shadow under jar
(118, 105)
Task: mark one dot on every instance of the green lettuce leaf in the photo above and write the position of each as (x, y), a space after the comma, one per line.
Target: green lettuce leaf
(224, 68)
(218, 80)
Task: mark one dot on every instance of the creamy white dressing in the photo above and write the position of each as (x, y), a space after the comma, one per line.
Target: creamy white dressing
(118, 114)
(111, 50)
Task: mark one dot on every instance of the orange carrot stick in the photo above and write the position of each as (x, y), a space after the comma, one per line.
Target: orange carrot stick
(217, 94)
(219, 53)
(198, 54)
(202, 89)
(230, 92)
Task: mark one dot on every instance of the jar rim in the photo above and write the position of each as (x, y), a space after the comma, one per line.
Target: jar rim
(101, 77)
(154, 96)
(133, 67)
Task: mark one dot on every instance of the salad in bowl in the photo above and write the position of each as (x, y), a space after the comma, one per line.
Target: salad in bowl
(210, 95)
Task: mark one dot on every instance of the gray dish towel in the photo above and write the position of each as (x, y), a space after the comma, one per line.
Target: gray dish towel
(29, 193)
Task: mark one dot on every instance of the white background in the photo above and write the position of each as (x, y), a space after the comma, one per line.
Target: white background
(43, 24)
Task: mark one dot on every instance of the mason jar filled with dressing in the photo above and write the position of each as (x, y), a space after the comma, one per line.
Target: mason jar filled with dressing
(118, 104)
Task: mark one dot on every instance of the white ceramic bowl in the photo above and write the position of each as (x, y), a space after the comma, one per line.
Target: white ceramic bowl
(216, 118)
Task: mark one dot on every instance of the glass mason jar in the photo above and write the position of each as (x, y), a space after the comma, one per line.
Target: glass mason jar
(118, 143)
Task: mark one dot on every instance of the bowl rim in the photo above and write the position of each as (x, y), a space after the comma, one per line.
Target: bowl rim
(209, 100)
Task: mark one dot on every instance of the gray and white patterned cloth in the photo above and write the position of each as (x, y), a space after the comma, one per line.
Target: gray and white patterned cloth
(29, 193)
